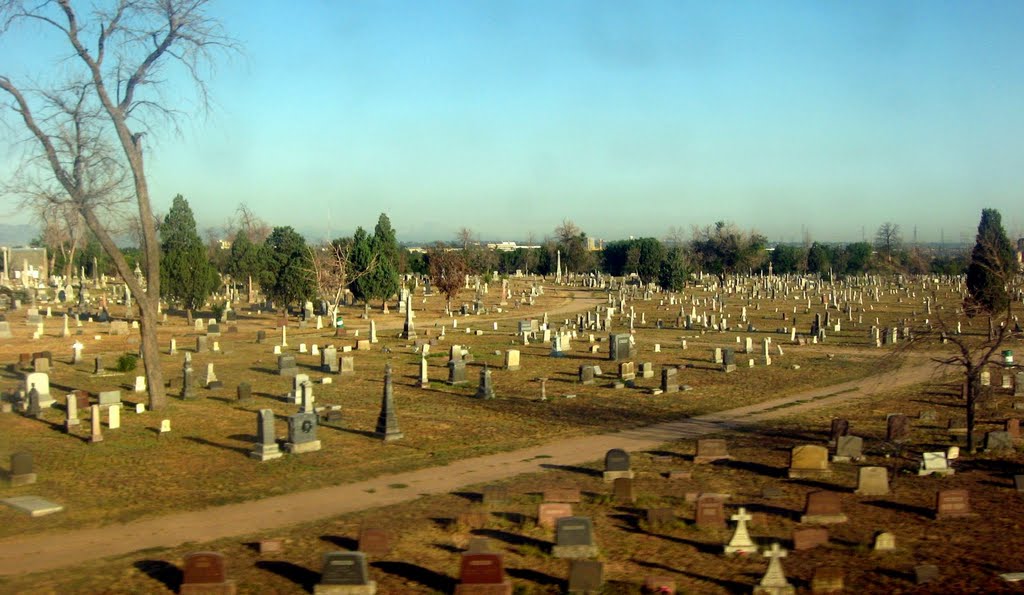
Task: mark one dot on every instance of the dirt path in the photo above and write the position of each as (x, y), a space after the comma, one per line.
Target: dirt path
(34, 553)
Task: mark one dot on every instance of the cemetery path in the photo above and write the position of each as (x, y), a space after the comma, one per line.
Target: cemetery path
(39, 552)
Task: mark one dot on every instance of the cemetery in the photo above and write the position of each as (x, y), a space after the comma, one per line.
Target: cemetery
(222, 404)
(822, 480)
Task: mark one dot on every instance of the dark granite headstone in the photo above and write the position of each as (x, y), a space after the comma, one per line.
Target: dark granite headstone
(345, 568)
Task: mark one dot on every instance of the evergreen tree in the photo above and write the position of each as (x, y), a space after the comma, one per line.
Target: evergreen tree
(289, 266)
(992, 265)
(186, 275)
(674, 269)
(360, 260)
(246, 260)
(382, 282)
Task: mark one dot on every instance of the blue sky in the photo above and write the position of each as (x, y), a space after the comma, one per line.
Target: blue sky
(627, 118)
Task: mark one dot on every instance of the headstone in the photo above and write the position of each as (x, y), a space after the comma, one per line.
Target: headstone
(586, 576)
(897, 428)
(741, 543)
(728, 360)
(329, 360)
(620, 347)
(952, 504)
(574, 538)
(456, 372)
(243, 392)
(482, 574)
(848, 448)
(265, 448)
(710, 450)
(108, 398)
(885, 541)
(998, 441)
(345, 573)
(774, 580)
(286, 365)
(302, 428)
(935, 463)
(114, 417)
(205, 574)
(512, 359)
(872, 481)
(387, 422)
(486, 388)
(616, 465)
(374, 541)
(97, 429)
(669, 380)
(823, 508)
(348, 365)
(809, 461)
(840, 427)
(622, 491)
(22, 469)
(710, 511)
(586, 375)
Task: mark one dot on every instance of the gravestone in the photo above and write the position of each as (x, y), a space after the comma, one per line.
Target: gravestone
(243, 392)
(108, 398)
(265, 447)
(302, 433)
(616, 465)
(999, 441)
(774, 580)
(22, 469)
(348, 365)
(622, 491)
(345, 573)
(586, 576)
(885, 541)
(669, 380)
(387, 422)
(574, 538)
(41, 382)
(286, 365)
(482, 574)
(848, 448)
(456, 372)
(512, 360)
(872, 481)
(329, 360)
(710, 450)
(728, 360)
(951, 504)
(627, 371)
(741, 543)
(840, 427)
(620, 347)
(548, 513)
(935, 463)
(809, 461)
(205, 574)
(586, 375)
(374, 541)
(805, 538)
(95, 427)
(710, 511)
(486, 388)
(823, 508)
(897, 428)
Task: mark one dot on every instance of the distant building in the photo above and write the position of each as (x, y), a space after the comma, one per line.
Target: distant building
(594, 244)
(224, 244)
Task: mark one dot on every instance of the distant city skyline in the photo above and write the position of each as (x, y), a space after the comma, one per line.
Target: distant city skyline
(508, 117)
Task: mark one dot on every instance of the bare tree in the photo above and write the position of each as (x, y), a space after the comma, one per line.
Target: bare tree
(245, 220)
(888, 240)
(464, 238)
(112, 100)
(333, 270)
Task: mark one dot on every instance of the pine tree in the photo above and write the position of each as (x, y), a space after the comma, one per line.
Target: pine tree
(992, 264)
(246, 260)
(186, 275)
(289, 266)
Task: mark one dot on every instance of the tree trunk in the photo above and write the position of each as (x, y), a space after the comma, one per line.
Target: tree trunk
(151, 353)
(973, 389)
(250, 290)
